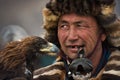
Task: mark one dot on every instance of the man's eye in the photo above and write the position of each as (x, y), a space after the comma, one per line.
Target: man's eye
(82, 25)
(64, 27)
(78, 25)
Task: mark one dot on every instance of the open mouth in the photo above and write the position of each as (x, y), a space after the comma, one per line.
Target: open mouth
(76, 46)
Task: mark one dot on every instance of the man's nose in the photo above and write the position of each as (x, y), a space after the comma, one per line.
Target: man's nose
(72, 35)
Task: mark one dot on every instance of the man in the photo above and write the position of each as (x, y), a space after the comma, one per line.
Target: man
(80, 24)
(81, 31)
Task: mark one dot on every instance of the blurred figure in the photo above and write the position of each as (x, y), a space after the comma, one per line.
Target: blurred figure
(11, 33)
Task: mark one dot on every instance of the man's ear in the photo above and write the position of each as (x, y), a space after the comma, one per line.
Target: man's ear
(103, 37)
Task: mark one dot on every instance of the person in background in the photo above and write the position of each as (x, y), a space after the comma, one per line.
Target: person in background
(11, 33)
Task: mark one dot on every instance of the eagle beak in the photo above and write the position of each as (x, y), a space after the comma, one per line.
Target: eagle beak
(51, 49)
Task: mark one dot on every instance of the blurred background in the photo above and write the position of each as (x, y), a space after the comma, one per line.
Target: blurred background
(21, 18)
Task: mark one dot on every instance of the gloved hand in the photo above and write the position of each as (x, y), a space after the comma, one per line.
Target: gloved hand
(80, 68)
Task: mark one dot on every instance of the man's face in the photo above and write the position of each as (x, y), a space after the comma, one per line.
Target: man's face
(78, 32)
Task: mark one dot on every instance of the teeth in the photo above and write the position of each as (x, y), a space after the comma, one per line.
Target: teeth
(79, 47)
(74, 46)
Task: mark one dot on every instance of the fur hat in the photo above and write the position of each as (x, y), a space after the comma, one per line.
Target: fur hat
(102, 10)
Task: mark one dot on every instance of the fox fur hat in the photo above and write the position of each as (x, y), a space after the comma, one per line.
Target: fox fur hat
(102, 10)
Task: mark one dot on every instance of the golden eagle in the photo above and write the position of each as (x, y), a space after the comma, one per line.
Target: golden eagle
(17, 58)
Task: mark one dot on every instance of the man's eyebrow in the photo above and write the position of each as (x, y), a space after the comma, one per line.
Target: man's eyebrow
(79, 22)
(63, 21)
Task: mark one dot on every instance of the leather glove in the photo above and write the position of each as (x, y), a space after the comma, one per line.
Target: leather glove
(80, 68)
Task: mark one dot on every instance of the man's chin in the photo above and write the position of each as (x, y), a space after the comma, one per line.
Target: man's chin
(73, 57)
